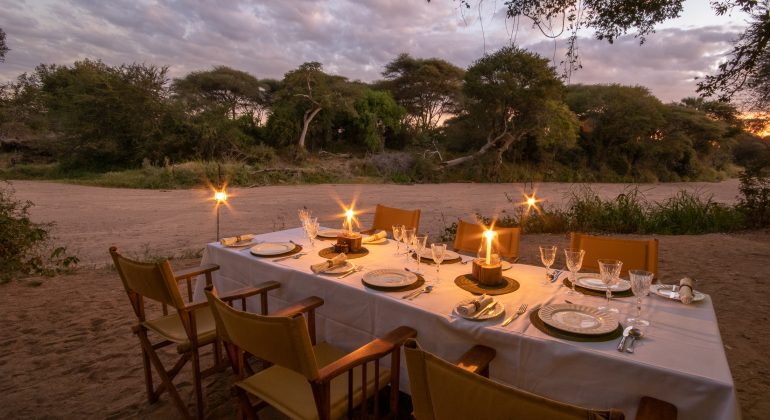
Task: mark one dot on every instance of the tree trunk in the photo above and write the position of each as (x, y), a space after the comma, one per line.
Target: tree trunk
(306, 120)
(491, 142)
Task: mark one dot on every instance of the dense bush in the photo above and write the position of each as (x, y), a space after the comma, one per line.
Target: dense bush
(754, 201)
(24, 245)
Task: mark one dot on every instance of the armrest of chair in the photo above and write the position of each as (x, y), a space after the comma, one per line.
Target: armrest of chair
(195, 305)
(305, 305)
(373, 350)
(477, 360)
(250, 291)
(653, 408)
(195, 271)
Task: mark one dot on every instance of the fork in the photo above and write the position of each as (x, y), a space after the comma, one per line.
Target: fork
(522, 309)
(426, 290)
(349, 273)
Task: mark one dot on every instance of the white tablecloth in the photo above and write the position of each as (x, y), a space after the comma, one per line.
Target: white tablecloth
(681, 359)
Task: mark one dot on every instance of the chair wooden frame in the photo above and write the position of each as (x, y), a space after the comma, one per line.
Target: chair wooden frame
(388, 344)
(477, 361)
(158, 282)
(385, 217)
(468, 239)
(609, 247)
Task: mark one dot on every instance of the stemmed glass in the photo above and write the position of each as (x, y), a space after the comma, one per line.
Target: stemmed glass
(640, 285)
(419, 242)
(398, 232)
(547, 256)
(609, 271)
(574, 262)
(311, 229)
(407, 236)
(438, 251)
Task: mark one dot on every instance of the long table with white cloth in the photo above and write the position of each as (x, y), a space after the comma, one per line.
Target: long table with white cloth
(680, 359)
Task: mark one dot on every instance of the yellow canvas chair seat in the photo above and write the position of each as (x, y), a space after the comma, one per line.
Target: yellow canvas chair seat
(636, 254)
(290, 392)
(170, 327)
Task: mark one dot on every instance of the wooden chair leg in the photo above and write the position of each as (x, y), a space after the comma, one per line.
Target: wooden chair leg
(245, 409)
(196, 372)
(151, 397)
(169, 386)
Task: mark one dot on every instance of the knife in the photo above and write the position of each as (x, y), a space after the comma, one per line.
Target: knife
(556, 275)
(622, 344)
(486, 309)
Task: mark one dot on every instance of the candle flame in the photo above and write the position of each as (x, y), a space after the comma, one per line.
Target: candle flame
(489, 235)
(220, 196)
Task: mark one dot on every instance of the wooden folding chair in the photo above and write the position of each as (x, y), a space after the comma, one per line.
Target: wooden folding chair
(469, 235)
(306, 380)
(442, 390)
(636, 254)
(386, 217)
(190, 325)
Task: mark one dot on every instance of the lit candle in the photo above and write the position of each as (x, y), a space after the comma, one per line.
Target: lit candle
(489, 234)
(220, 196)
(531, 200)
(350, 221)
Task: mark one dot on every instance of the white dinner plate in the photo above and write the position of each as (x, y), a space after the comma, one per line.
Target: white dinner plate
(496, 311)
(342, 268)
(329, 233)
(578, 319)
(594, 282)
(389, 277)
(671, 291)
(240, 244)
(448, 255)
(506, 265)
(272, 248)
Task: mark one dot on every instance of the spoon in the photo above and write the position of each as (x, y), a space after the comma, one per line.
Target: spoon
(635, 334)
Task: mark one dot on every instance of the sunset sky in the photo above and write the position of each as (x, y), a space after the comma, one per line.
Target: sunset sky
(353, 38)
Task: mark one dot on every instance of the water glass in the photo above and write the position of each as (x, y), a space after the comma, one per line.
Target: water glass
(640, 285)
(547, 256)
(574, 263)
(438, 251)
(311, 229)
(398, 232)
(419, 243)
(609, 272)
(407, 236)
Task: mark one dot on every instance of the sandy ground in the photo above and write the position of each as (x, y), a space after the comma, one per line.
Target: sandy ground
(67, 350)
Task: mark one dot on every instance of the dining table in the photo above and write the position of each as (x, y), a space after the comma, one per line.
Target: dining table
(680, 358)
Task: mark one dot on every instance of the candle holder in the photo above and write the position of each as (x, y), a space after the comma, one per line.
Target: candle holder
(487, 274)
(351, 241)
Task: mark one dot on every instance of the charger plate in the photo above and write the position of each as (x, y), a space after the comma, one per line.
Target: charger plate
(564, 335)
(329, 253)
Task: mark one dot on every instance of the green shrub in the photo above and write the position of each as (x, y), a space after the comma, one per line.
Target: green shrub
(24, 245)
(754, 202)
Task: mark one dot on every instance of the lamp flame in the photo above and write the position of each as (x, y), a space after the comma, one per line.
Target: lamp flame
(220, 196)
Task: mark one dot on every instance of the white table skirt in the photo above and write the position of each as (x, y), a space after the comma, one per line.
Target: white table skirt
(681, 358)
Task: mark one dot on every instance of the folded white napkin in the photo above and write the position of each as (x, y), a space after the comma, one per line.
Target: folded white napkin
(235, 239)
(329, 264)
(686, 286)
(376, 237)
(475, 305)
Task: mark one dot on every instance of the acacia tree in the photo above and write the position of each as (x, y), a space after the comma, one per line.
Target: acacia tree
(233, 91)
(427, 88)
(312, 90)
(511, 94)
(3, 46)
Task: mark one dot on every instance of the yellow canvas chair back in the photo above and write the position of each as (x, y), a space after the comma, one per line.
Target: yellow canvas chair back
(386, 217)
(441, 390)
(636, 254)
(468, 238)
(283, 341)
(152, 280)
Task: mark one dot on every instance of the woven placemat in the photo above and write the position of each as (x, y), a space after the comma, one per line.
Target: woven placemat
(565, 335)
(469, 283)
(329, 253)
(420, 281)
(583, 290)
(296, 250)
(429, 261)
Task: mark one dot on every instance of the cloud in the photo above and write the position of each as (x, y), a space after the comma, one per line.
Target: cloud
(353, 38)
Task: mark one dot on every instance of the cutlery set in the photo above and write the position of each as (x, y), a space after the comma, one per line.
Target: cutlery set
(629, 333)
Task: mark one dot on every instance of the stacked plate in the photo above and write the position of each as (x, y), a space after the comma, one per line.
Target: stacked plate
(493, 312)
(329, 233)
(578, 319)
(671, 291)
(594, 282)
(389, 278)
(270, 249)
(340, 269)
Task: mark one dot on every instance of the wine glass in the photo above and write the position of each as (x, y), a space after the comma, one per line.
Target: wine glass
(398, 231)
(609, 272)
(574, 262)
(419, 242)
(407, 236)
(640, 285)
(547, 256)
(438, 251)
(311, 229)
